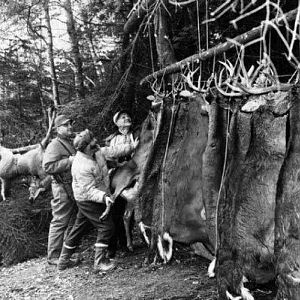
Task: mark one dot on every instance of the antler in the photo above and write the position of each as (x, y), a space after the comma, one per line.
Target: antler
(236, 92)
(200, 89)
(261, 81)
(51, 116)
(265, 90)
(157, 97)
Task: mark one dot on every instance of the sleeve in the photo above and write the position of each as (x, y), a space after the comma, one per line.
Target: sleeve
(107, 140)
(52, 161)
(115, 150)
(93, 193)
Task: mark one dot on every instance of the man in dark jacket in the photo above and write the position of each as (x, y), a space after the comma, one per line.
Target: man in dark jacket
(57, 161)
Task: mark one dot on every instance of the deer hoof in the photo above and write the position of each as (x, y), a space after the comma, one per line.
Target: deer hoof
(165, 247)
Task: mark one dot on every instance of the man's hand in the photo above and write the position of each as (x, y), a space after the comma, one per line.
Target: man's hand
(108, 201)
(135, 142)
(119, 165)
(71, 158)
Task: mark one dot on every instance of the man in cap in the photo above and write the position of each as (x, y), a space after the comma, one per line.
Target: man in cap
(90, 193)
(120, 148)
(57, 161)
(121, 144)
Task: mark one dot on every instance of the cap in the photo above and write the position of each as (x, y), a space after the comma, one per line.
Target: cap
(83, 139)
(117, 115)
(61, 120)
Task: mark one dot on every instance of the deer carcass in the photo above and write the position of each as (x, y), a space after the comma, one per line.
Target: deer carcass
(126, 179)
(13, 165)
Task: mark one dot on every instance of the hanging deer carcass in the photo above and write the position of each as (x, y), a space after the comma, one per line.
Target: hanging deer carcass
(13, 164)
(170, 201)
(126, 180)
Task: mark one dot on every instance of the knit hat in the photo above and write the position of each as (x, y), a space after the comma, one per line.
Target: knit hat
(83, 139)
(61, 120)
(118, 114)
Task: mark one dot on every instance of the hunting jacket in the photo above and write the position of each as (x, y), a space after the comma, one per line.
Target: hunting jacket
(120, 147)
(88, 179)
(56, 159)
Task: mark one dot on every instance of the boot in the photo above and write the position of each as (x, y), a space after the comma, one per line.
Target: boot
(101, 263)
(110, 254)
(52, 261)
(65, 261)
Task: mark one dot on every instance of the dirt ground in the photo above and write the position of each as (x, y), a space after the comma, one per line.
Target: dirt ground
(184, 278)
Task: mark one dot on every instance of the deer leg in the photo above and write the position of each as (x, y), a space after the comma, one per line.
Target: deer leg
(3, 189)
(143, 228)
(126, 219)
(152, 253)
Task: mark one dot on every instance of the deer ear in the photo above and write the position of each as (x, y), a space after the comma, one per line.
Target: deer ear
(150, 98)
(186, 93)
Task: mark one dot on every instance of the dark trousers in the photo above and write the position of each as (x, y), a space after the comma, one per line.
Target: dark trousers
(64, 211)
(89, 212)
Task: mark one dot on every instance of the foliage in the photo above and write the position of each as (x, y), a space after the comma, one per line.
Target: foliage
(23, 227)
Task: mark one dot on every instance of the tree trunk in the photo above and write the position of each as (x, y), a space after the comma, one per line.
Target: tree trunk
(164, 47)
(49, 42)
(89, 39)
(78, 72)
(98, 65)
(42, 102)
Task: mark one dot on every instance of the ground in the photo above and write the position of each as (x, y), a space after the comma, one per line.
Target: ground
(184, 278)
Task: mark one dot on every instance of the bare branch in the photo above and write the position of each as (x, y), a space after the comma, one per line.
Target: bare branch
(241, 39)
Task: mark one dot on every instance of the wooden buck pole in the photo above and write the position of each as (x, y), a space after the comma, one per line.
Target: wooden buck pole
(241, 39)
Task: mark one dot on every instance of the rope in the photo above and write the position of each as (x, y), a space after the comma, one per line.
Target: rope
(222, 181)
(150, 42)
(270, 51)
(165, 159)
(260, 47)
(214, 65)
(198, 28)
(206, 25)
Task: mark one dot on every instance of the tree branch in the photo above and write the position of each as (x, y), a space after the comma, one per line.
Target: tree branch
(138, 15)
(241, 39)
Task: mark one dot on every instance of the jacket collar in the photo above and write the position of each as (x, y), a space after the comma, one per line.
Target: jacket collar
(63, 138)
(83, 155)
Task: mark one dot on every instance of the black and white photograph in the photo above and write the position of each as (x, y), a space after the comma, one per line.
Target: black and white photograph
(149, 149)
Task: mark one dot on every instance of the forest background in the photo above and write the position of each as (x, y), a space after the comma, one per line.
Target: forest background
(87, 58)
